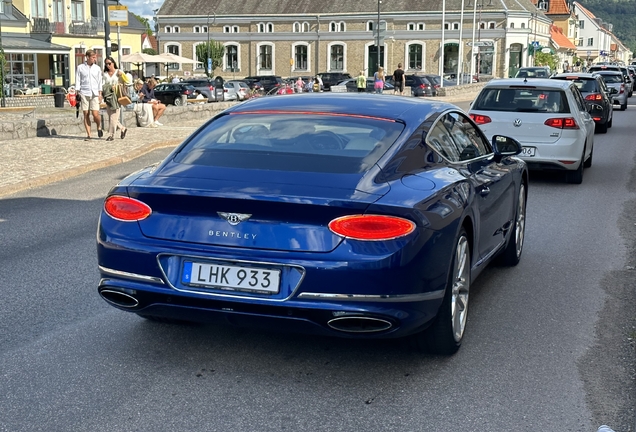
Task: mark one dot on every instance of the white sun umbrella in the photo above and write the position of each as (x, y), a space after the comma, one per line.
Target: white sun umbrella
(140, 57)
(173, 58)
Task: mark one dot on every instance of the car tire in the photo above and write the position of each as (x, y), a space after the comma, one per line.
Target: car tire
(588, 162)
(610, 121)
(624, 106)
(602, 127)
(445, 335)
(177, 101)
(576, 176)
(511, 255)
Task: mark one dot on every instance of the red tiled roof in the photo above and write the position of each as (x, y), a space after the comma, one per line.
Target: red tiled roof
(560, 39)
(558, 7)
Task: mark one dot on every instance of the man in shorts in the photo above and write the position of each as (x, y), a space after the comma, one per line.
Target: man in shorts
(88, 83)
(398, 80)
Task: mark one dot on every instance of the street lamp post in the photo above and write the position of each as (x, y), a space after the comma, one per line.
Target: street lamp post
(460, 49)
(441, 57)
(378, 35)
(3, 58)
(157, 28)
(207, 60)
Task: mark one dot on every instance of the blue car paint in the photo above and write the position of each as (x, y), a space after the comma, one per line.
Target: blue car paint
(439, 198)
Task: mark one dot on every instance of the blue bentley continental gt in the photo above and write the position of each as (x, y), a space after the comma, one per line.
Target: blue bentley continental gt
(336, 214)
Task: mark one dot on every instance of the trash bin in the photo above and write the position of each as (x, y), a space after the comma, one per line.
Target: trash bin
(46, 88)
(59, 97)
(218, 89)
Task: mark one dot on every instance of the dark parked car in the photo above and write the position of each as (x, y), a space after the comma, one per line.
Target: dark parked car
(170, 94)
(333, 214)
(204, 85)
(267, 81)
(332, 78)
(419, 85)
(615, 82)
(353, 87)
(597, 97)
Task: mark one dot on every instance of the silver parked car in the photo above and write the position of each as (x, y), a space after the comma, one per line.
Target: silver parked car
(615, 81)
(548, 117)
(241, 88)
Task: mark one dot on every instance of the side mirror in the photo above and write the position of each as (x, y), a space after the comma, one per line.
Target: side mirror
(505, 146)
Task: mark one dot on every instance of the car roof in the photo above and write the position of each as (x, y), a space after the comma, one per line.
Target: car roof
(346, 103)
(576, 74)
(533, 82)
(609, 72)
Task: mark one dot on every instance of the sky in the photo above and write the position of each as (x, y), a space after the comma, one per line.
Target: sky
(143, 8)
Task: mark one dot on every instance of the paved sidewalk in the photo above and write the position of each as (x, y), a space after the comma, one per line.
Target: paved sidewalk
(40, 161)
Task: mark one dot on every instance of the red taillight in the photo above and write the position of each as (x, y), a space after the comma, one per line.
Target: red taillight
(594, 97)
(212, 88)
(224, 90)
(126, 209)
(187, 92)
(480, 119)
(562, 123)
(423, 86)
(622, 88)
(597, 119)
(371, 227)
(436, 86)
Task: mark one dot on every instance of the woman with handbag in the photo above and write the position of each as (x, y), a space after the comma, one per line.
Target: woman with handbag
(114, 84)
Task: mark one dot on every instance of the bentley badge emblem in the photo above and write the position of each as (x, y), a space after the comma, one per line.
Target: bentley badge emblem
(234, 218)
(517, 122)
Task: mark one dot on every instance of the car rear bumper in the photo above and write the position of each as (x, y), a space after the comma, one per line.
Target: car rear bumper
(566, 155)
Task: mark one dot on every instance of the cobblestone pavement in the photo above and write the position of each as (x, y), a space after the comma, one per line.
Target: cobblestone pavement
(34, 162)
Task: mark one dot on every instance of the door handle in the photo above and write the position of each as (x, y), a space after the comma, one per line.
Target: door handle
(485, 191)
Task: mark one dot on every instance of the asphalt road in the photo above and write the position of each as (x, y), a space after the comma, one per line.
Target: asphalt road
(549, 344)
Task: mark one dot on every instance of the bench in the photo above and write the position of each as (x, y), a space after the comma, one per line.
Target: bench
(193, 101)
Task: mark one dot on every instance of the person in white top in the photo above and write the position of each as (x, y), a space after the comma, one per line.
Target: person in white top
(114, 77)
(89, 83)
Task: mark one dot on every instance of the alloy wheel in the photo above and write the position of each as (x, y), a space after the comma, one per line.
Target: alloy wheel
(520, 223)
(460, 288)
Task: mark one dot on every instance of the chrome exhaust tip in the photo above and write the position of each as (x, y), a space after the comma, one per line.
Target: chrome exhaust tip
(119, 298)
(359, 324)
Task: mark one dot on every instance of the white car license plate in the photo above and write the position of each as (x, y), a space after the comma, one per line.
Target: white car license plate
(231, 277)
(528, 151)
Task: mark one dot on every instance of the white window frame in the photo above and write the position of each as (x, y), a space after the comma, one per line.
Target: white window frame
(294, 45)
(305, 27)
(590, 41)
(260, 71)
(196, 29)
(447, 25)
(226, 67)
(410, 26)
(492, 25)
(344, 56)
(204, 29)
(421, 26)
(512, 25)
(227, 29)
(260, 27)
(482, 25)
(333, 27)
(455, 25)
(167, 29)
(296, 27)
(176, 29)
(195, 66)
(370, 25)
(235, 29)
(269, 27)
(165, 50)
(406, 55)
(342, 26)
(523, 25)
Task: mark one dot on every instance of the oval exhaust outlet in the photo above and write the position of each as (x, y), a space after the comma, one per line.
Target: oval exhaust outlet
(119, 298)
(359, 324)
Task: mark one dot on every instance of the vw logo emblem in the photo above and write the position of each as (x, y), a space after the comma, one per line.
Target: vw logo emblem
(517, 122)
(234, 218)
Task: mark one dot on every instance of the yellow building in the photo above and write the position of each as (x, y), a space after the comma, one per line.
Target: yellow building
(45, 40)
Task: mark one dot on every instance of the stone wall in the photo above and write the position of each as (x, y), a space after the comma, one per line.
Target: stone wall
(460, 89)
(34, 124)
(38, 101)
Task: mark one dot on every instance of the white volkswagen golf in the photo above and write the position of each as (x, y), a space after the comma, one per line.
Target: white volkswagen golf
(548, 117)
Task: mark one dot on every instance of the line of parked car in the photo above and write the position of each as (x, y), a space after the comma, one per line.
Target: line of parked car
(554, 116)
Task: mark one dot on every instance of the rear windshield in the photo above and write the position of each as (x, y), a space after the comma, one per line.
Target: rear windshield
(537, 73)
(522, 100)
(585, 85)
(613, 78)
(292, 142)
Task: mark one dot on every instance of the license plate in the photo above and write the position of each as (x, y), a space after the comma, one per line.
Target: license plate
(528, 151)
(231, 277)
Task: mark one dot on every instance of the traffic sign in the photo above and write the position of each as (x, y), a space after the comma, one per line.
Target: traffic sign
(114, 47)
(118, 15)
(209, 65)
(536, 44)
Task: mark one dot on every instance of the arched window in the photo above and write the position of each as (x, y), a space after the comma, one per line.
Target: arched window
(482, 25)
(446, 26)
(231, 58)
(270, 28)
(333, 27)
(337, 57)
(370, 25)
(235, 29)
(491, 25)
(342, 26)
(227, 29)
(410, 26)
(296, 27)
(265, 59)
(420, 26)
(196, 29)
(204, 29)
(301, 56)
(455, 26)
(261, 27)
(176, 29)
(173, 48)
(198, 65)
(523, 25)
(305, 27)
(512, 25)
(415, 56)
(167, 29)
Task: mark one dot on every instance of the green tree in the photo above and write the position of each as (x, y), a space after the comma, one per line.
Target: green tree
(546, 59)
(216, 54)
(149, 51)
(145, 22)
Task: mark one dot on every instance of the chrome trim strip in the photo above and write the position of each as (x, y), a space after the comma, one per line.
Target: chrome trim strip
(133, 276)
(433, 295)
(492, 252)
(301, 269)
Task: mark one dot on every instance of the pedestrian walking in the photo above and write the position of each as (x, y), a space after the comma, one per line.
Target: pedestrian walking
(399, 80)
(114, 84)
(300, 84)
(89, 83)
(378, 80)
(361, 82)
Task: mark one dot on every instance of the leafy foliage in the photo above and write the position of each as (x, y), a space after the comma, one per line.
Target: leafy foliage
(620, 13)
(546, 59)
(216, 54)
(145, 22)
(149, 51)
